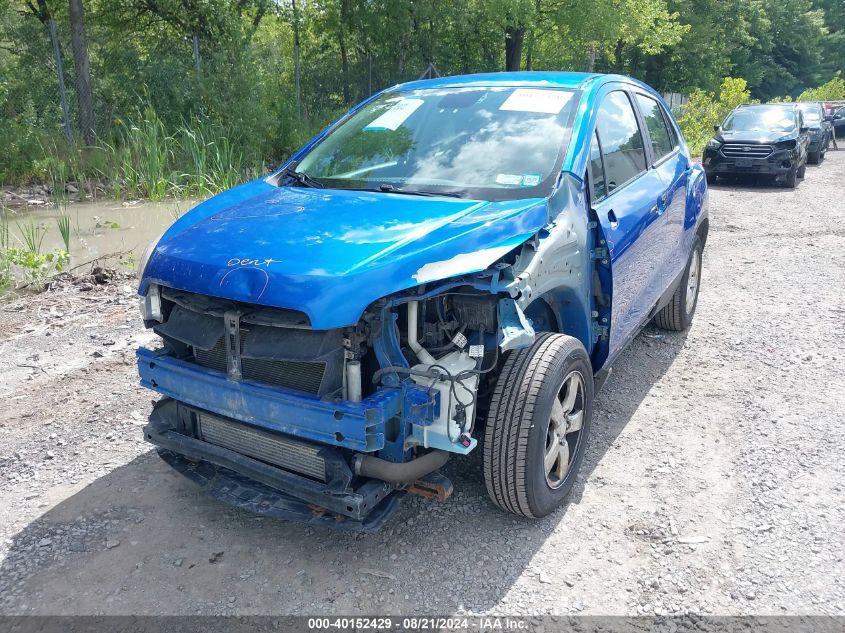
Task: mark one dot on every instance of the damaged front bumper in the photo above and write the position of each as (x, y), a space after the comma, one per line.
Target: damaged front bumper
(358, 426)
(263, 488)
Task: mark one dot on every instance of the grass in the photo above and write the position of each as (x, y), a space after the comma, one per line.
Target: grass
(63, 224)
(32, 236)
(5, 250)
(143, 159)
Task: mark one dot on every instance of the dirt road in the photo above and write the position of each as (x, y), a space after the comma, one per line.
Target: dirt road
(713, 482)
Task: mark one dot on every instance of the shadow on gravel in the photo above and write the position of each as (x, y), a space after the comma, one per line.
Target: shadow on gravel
(634, 373)
(750, 182)
(142, 539)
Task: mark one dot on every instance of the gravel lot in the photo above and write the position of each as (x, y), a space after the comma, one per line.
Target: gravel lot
(713, 482)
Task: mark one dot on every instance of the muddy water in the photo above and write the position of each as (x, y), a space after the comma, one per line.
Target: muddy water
(99, 229)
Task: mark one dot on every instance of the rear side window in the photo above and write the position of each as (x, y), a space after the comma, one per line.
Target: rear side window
(597, 170)
(621, 140)
(661, 138)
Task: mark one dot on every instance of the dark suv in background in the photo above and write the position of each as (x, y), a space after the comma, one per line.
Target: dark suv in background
(835, 115)
(820, 130)
(766, 139)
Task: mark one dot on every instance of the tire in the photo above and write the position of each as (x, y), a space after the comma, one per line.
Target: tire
(677, 315)
(790, 179)
(814, 158)
(802, 170)
(711, 177)
(522, 432)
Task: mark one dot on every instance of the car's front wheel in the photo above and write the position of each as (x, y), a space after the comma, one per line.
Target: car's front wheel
(790, 179)
(538, 424)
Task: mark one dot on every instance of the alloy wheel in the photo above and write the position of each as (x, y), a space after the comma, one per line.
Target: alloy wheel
(564, 432)
(692, 281)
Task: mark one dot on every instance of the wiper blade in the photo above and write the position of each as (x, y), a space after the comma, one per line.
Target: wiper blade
(302, 178)
(387, 188)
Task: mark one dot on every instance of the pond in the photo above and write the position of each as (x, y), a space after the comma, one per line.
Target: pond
(113, 230)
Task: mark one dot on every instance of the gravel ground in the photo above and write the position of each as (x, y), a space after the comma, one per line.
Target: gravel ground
(713, 482)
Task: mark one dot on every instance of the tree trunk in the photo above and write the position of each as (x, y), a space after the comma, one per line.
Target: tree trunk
(591, 59)
(42, 12)
(344, 52)
(514, 38)
(296, 81)
(85, 100)
(619, 62)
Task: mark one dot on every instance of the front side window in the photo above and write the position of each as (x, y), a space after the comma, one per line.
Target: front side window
(492, 143)
(621, 140)
(661, 140)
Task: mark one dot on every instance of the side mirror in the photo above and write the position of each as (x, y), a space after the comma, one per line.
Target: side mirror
(803, 129)
(717, 127)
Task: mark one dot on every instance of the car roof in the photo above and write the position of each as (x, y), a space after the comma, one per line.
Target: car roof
(539, 79)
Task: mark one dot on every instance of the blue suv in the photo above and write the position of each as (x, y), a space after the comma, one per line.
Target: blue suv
(454, 263)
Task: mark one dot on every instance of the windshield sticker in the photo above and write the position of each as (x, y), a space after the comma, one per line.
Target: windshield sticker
(540, 101)
(396, 115)
(530, 180)
(508, 179)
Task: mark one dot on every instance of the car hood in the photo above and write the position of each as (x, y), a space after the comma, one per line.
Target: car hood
(761, 137)
(331, 253)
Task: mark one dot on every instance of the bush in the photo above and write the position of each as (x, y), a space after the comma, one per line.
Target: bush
(833, 90)
(705, 109)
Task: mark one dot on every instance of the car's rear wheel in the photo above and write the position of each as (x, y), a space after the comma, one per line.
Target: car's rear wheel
(802, 170)
(814, 157)
(677, 314)
(538, 424)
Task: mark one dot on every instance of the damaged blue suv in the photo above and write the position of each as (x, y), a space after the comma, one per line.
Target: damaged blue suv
(452, 266)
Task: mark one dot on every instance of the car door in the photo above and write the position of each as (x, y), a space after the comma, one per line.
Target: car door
(625, 201)
(673, 168)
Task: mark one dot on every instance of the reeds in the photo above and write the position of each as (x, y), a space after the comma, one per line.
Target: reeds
(143, 160)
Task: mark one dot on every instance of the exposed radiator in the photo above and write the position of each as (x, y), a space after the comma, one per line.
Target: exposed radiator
(290, 454)
(304, 376)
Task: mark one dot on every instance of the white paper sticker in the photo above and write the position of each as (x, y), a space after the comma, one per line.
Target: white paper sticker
(460, 340)
(530, 180)
(508, 179)
(396, 115)
(533, 100)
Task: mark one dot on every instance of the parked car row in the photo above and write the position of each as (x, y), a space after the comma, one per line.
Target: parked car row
(775, 140)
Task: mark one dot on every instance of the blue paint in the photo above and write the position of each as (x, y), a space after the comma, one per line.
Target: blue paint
(328, 253)
(356, 425)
